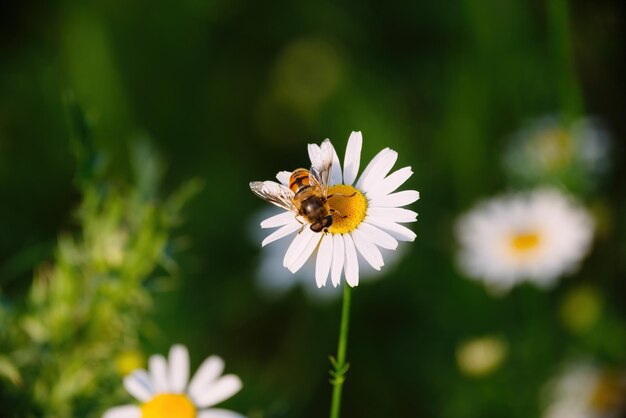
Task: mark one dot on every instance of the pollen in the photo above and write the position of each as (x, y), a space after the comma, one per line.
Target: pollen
(525, 242)
(348, 206)
(168, 405)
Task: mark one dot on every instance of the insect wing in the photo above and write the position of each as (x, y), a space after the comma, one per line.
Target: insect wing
(314, 178)
(274, 193)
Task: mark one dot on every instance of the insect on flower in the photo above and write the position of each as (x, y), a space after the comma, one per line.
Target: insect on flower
(354, 216)
(307, 194)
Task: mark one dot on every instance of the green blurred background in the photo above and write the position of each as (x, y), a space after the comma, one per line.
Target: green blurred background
(232, 91)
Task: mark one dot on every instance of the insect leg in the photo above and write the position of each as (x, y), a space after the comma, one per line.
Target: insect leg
(339, 213)
(301, 223)
(340, 194)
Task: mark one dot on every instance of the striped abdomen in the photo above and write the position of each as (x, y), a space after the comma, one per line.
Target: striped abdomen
(299, 179)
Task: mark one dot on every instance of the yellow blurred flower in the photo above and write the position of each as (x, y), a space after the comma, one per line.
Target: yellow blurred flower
(481, 356)
(128, 361)
(307, 72)
(581, 308)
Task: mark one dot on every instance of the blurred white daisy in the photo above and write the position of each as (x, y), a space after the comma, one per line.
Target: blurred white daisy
(535, 236)
(547, 148)
(165, 390)
(366, 215)
(584, 390)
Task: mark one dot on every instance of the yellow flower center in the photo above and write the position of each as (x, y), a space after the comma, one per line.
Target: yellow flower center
(608, 394)
(168, 405)
(555, 148)
(525, 242)
(349, 208)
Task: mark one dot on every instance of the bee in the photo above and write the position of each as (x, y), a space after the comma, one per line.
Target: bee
(307, 194)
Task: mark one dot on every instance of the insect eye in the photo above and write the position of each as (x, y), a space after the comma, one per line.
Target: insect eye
(328, 221)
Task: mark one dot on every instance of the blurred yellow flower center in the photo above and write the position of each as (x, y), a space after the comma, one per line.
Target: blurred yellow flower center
(168, 405)
(525, 242)
(608, 393)
(349, 207)
(555, 148)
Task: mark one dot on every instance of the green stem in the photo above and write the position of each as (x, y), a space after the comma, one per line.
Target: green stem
(560, 33)
(339, 364)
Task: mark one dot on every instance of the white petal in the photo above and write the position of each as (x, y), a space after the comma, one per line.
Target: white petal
(379, 171)
(324, 155)
(218, 413)
(338, 258)
(315, 155)
(278, 220)
(209, 370)
(283, 177)
(179, 368)
(370, 253)
(327, 150)
(335, 173)
(324, 259)
(282, 232)
(374, 162)
(124, 411)
(352, 263)
(218, 391)
(378, 236)
(138, 385)
(390, 183)
(296, 246)
(306, 252)
(394, 200)
(352, 158)
(158, 373)
(397, 231)
(393, 214)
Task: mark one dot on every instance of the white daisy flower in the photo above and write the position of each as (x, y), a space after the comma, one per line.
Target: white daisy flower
(165, 390)
(584, 390)
(548, 148)
(365, 215)
(535, 236)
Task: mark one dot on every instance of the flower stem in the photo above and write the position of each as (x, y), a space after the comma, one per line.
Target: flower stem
(339, 364)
